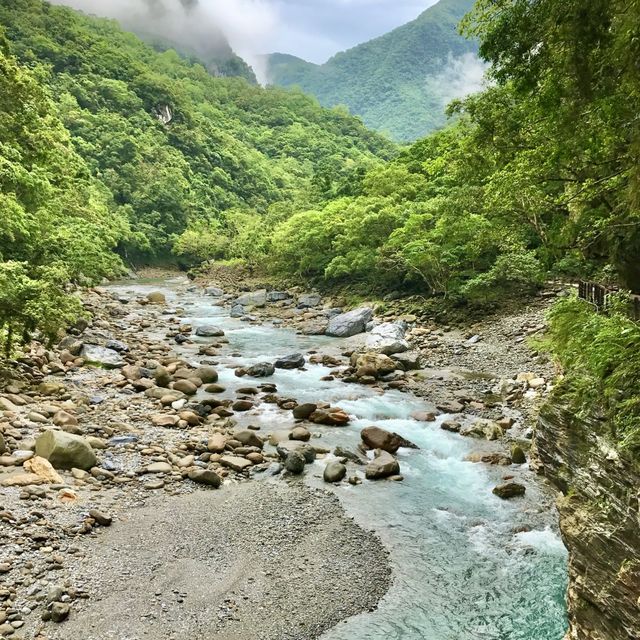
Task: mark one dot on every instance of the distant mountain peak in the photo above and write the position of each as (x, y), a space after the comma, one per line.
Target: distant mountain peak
(399, 82)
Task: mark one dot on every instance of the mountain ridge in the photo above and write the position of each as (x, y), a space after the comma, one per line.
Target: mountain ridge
(391, 81)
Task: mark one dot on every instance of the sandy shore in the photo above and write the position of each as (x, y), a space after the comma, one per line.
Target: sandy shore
(263, 560)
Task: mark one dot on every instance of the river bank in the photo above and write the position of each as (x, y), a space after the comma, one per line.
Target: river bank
(144, 449)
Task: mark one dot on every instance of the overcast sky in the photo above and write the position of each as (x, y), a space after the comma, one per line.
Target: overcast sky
(316, 29)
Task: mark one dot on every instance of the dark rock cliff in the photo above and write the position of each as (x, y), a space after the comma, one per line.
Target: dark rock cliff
(600, 523)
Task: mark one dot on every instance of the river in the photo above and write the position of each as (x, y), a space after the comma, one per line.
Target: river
(466, 565)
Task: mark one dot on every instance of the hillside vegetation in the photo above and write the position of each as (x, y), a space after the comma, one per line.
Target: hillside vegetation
(109, 144)
(399, 83)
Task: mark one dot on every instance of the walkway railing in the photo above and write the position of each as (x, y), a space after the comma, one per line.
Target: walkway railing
(600, 295)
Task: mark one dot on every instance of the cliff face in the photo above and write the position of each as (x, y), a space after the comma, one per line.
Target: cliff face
(600, 524)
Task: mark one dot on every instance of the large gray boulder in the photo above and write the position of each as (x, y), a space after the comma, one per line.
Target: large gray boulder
(102, 356)
(253, 299)
(209, 331)
(350, 323)
(214, 292)
(308, 300)
(261, 370)
(277, 296)
(388, 338)
(334, 472)
(382, 466)
(293, 361)
(65, 450)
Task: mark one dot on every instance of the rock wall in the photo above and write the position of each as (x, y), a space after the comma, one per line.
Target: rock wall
(600, 523)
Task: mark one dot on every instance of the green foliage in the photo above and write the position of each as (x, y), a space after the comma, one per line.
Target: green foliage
(395, 82)
(58, 223)
(34, 300)
(600, 355)
(229, 145)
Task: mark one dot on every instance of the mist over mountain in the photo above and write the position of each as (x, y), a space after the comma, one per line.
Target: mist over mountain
(223, 35)
(400, 82)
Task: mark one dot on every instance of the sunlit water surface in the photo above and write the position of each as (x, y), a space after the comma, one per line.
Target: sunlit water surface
(466, 565)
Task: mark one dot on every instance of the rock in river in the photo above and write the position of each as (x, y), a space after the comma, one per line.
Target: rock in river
(261, 370)
(294, 462)
(350, 323)
(293, 361)
(509, 490)
(382, 466)
(303, 411)
(65, 450)
(377, 438)
(334, 472)
(101, 356)
(209, 331)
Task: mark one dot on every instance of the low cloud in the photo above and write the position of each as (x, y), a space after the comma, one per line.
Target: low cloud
(460, 77)
(202, 26)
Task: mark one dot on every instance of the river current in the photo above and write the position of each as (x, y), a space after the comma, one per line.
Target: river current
(466, 565)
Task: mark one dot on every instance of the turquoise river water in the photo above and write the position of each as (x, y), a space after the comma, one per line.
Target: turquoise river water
(466, 565)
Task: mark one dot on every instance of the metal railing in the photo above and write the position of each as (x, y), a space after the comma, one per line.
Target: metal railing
(600, 295)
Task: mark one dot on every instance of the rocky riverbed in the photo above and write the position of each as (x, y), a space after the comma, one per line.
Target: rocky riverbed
(126, 451)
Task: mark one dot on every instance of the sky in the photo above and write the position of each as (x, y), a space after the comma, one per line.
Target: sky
(317, 29)
(311, 29)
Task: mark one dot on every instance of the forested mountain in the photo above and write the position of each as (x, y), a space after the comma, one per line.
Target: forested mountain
(108, 144)
(400, 82)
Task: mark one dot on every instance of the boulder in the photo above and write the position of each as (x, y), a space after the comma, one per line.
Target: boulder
(117, 345)
(209, 331)
(248, 438)
(349, 324)
(303, 411)
(185, 386)
(517, 454)
(102, 356)
(294, 462)
(156, 297)
(235, 463)
(216, 443)
(242, 405)
(377, 438)
(293, 361)
(72, 344)
(159, 467)
(371, 363)
(260, 370)
(408, 360)
(237, 311)
(334, 472)
(382, 466)
(43, 469)
(308, 300)
(65, 450)
(253, 299)
(277, 296)
(3, 445)
(132, 372)
(214, 292)
(300, 433)
(509, 490)
(162, 377)
(205, 476)
(206, 374)
(388, 338)
(333, 417)
(64, 419)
